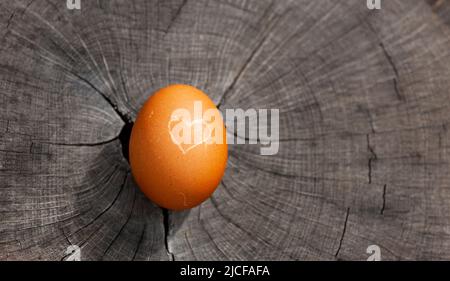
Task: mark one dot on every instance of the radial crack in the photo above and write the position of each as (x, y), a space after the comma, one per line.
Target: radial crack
(397, 90)
(107, 208)
(125, 133)
(10, 19)
(241, 71)
(177, 14)
(389, 58)
(248, 61)
(79, 144)
(139, 242)
(373, 157)
(343, 233)
(394, 67)
(125, 117)
(14, 13)
(122, 228)
(384, 200)
(166, 222)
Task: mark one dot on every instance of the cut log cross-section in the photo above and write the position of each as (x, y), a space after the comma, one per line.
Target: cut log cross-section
(364, 100)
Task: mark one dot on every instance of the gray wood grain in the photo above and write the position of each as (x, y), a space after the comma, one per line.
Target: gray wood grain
(364, 107)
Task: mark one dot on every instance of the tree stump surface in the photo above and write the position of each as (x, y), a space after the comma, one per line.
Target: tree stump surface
(364, 140)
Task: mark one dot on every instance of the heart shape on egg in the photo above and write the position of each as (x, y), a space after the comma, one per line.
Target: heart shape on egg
(187, 134)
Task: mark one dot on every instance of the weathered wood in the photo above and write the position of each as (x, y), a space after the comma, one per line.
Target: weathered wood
(364, 106)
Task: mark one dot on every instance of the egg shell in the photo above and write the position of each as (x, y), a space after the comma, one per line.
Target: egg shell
(173, 175)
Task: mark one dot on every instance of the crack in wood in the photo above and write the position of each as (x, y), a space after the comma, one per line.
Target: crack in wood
(189, 245)
(177, 14)
(166, 223)
(141, 238)
(384, 200)
(390, 59)
(122, 228)
(373, 157)
(394, 67)
(227, 191)
(10, 19)
(397, 90)
(62, 50)
(65, 236)
(248, 61)
(125, 133)
(69, 242)
(84, 243)
(15, 152)
(14, 13)
(343, 233)
(124, 137)
(77, 144)
(106, 209)
(366, 111)
(66, 256)
(391, 62)
(245, 138)
(125, 118)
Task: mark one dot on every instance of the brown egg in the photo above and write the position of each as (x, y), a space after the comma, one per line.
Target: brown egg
(178, 149)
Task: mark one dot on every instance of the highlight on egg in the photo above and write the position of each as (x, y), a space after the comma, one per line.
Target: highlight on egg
(178, 150)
